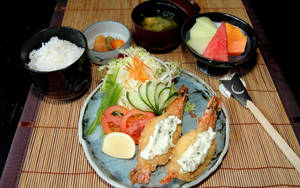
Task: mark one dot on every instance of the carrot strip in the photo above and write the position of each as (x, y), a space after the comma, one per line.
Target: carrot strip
(137, 70)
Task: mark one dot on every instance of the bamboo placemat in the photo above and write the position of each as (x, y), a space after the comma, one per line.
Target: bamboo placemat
(55, 158)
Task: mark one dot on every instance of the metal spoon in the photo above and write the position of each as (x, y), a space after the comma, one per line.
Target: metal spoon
(239, 92)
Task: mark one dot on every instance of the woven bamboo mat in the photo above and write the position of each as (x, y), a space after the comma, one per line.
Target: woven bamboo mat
(55, 158)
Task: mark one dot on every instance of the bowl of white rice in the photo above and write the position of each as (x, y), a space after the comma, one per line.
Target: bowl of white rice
(57, 61)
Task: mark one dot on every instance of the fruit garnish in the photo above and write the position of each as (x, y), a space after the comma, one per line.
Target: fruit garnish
(201, 33)
(236, 40)
(217, 47)
(118, 145)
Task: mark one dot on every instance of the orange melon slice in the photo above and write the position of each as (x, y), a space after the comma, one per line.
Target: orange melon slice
(236, 40)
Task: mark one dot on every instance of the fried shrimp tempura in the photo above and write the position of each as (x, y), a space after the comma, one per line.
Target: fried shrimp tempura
(141, 174)
(174, 168)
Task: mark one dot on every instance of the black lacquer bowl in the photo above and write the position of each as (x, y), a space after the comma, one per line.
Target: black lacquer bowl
(212, 67)
(69, 82)
(161, 41)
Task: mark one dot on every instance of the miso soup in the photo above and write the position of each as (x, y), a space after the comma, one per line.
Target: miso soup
(158, 23)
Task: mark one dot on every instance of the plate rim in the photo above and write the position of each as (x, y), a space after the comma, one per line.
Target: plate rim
(112, 182)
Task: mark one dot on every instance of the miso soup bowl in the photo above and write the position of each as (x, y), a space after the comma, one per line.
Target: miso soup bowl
(161, 41)
(66, 83)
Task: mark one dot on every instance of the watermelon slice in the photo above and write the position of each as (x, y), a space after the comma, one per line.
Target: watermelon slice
(217, 47)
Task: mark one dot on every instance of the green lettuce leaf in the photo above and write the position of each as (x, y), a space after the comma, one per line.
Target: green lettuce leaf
(112, 92)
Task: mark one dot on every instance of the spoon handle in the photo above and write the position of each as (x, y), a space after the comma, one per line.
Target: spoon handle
(281, 143)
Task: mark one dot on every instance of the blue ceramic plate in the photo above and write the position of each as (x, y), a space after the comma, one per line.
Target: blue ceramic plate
(116, 171)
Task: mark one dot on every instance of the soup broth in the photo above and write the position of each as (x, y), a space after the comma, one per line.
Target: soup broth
(158, 23)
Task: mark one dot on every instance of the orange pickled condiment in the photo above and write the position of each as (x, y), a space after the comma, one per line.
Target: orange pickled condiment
(103, 45)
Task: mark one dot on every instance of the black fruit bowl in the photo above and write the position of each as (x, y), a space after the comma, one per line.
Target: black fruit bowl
(212, 67)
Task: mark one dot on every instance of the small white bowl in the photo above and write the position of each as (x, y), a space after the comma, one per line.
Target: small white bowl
(106, 28)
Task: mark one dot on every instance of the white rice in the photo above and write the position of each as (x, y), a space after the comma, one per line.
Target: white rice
(54, 54)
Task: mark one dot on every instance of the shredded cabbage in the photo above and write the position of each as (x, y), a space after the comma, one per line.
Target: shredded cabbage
(160, 71)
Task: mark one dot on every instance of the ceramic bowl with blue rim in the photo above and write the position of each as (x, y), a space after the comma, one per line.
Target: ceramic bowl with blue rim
(106, 28)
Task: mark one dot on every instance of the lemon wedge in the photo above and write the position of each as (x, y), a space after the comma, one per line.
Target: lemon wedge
(118, 145)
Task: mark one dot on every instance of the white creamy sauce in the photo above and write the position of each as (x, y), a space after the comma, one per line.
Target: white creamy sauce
(196, 153)
(162, 138)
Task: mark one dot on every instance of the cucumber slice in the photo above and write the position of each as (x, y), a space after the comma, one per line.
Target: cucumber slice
(163, 104)
(157, 90)
(150, 95)
(135, 100)
(163, 96)
(142, 95)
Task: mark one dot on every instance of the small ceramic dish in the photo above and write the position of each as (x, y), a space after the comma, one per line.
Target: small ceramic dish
(106, 28)
(212, 67)
(65, 83)
(166, 40)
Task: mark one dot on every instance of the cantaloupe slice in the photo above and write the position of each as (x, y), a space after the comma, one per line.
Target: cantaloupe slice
(217, 47)
(199, 44)
(236, 40)
(201, 33)
(203, 27)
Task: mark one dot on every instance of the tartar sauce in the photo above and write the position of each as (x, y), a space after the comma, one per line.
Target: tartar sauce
(162, 138)
(196, 153)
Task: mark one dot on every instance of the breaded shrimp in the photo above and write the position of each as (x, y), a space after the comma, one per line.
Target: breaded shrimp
(147, 164)
(176, 167)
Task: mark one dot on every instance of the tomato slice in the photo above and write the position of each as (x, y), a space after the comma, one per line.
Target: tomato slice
(111, 118)
(134, 122)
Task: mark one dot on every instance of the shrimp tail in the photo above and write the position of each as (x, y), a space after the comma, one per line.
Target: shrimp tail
(169, 177)
(211, 112)
(177, 106)
(140, 175)
(183, 93)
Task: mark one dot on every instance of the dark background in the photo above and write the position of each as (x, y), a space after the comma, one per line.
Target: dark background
(18, 24)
